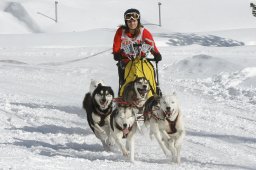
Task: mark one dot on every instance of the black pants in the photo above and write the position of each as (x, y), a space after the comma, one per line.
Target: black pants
(120, 67)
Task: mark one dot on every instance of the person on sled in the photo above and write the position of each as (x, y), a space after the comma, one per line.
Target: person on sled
(135, 32)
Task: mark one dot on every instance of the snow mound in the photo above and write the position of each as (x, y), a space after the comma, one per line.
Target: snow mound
(202, 66)
(228, 85)
(234, 86)
(236, 78)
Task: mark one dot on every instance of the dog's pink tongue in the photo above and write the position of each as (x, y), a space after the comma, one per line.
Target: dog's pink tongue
(126, 131)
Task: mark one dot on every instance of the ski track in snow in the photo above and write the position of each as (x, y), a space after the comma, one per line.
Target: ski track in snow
(44, 126)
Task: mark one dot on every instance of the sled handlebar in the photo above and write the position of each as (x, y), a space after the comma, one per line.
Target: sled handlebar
(149, 59)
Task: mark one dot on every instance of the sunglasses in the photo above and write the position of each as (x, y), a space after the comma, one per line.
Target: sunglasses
(132, 15)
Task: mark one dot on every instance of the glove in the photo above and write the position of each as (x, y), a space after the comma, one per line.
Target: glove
(157, 57)
(117, 56)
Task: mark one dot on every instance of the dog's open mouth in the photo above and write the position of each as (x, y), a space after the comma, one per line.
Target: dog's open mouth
(169, 113)
(103, 103)
(142, 92)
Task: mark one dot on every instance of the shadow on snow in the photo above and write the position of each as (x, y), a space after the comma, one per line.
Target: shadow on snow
(227, 138)
(45, 129)
(68, 109)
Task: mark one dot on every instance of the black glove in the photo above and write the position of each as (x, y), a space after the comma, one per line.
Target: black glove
(157, 57)
(117, 56)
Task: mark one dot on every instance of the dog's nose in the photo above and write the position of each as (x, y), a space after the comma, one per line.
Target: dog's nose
(168, 109)
(125, 125)
(103, 100)
(144, 86)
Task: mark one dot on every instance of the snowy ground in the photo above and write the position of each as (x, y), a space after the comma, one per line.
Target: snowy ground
(44, 127)
(44, 77)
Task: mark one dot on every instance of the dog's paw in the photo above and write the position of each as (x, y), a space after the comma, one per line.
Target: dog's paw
(126, 153)
(110, 141)
(106, 148)
(168, 155)
(176, 160)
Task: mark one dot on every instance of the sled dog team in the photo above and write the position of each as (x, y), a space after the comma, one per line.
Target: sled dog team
(114, 121)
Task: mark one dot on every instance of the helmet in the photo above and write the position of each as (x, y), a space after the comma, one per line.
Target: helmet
(132, 10)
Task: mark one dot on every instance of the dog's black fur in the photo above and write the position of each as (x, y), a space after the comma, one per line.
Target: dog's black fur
(114, 113)
(91, 106)
(152, 101)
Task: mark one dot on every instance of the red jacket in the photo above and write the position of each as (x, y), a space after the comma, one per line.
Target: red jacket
(118, 40)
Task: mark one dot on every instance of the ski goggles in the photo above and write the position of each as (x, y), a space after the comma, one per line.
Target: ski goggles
(131, 15)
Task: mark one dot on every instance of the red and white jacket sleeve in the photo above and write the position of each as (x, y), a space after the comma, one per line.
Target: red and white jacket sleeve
(147, 35)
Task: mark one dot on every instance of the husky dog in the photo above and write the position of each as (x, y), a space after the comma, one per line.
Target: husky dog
(98, 106)
(136, 92)
(123, 125)
(166, 123)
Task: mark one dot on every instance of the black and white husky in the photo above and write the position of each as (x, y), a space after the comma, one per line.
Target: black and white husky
(123, 125)
(166, 123)
(98, 106)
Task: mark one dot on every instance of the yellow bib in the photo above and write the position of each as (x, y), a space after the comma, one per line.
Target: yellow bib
(139, 68)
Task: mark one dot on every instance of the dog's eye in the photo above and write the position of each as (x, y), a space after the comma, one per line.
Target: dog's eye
(173, 102)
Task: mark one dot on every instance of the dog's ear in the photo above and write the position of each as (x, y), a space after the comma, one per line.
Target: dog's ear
(135, 110)
(99, 85)
(148, 104)
(111, 91)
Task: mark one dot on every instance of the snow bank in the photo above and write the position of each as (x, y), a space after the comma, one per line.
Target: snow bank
(201, 66)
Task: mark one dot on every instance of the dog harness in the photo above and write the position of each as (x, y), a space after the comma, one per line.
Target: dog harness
(136, 40)
(171, 123)
(122, 102)
(103, 115)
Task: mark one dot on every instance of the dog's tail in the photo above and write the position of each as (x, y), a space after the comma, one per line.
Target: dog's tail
(87, 105)
(87, 102)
